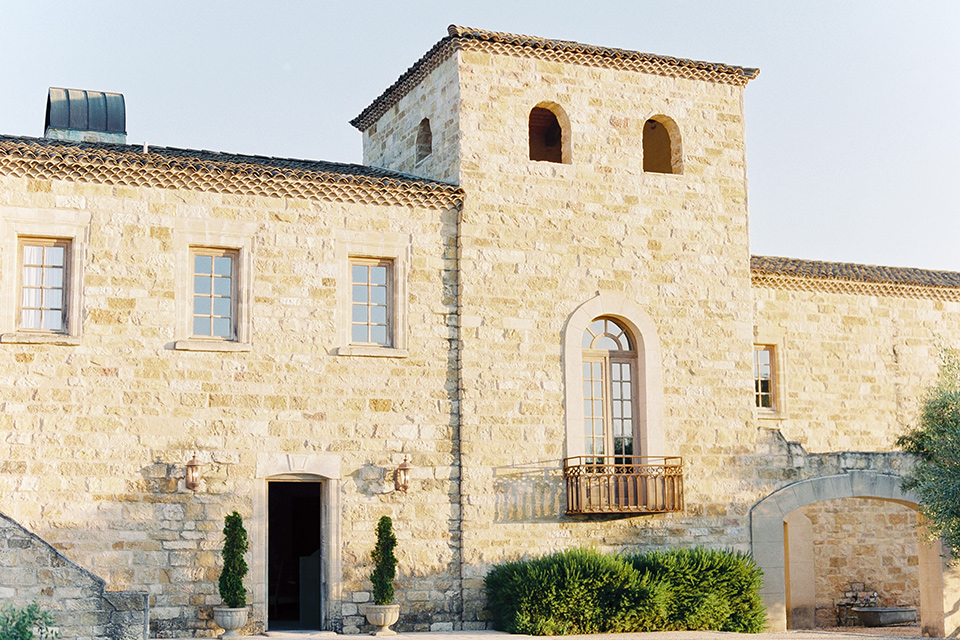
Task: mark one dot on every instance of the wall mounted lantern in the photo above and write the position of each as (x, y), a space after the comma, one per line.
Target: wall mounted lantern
(192, 478)
(401, 478)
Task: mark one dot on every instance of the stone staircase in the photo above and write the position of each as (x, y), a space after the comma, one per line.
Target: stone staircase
(79, 601)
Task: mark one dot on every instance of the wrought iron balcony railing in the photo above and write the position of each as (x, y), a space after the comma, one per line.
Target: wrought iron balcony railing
(623, 484)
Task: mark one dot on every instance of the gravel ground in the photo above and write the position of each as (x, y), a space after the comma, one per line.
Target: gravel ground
(833, 633)
(898, 631)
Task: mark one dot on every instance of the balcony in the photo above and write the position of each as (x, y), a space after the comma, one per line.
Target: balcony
(623, 484)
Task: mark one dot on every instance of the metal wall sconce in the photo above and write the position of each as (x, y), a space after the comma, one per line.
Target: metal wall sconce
(192, 478)
(401, 479)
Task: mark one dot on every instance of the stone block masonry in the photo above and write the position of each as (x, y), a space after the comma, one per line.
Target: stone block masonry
(97, 433)
(79, 601)
(496, 265)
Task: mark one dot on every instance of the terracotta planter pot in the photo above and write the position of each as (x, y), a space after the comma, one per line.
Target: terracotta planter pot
(230, 620)
(383, 615)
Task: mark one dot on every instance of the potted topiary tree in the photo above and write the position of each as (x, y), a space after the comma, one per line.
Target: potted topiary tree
(233, 614)
(382, 613)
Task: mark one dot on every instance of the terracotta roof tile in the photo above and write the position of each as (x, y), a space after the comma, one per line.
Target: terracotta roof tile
(603, 52)
(774, 266)
(555, 50)
(168, 167)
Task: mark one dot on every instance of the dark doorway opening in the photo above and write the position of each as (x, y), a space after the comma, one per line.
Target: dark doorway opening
(295, 593)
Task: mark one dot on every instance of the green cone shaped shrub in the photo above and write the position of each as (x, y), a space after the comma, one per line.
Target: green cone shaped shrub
(232, 591)
(384, 562)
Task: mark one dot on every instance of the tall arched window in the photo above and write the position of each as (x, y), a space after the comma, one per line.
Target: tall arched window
(612, 320)
(661, 146)
(616, 460)
(424, 140)
(610, 411)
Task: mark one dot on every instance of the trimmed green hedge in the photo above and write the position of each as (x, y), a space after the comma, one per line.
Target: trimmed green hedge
(583, 591)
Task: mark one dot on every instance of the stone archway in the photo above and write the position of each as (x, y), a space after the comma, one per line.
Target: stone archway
(767, 543)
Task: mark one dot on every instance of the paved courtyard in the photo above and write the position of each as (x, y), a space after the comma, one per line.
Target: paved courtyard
(850, 633)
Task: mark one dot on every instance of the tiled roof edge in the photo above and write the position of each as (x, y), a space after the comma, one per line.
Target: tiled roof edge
(166, 167)
(407, 80)
(852, 272)
(565, 50)
(468, 33)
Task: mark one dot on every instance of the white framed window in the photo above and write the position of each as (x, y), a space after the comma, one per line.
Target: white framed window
(371, 305)
(769, 384)
(765, 395)
(214, 293)
(214, 285)
(43, 284)
(41, 275)
(374, 267)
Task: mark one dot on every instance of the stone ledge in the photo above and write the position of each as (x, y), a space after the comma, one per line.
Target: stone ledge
(211, 345)
(375, 352)
(23, 337)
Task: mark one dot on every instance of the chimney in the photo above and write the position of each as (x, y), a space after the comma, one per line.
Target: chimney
(85, 116)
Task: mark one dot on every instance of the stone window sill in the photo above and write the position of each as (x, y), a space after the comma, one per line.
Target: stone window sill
(374, 352)
(23, 337)
(223, 346)
(767, 414)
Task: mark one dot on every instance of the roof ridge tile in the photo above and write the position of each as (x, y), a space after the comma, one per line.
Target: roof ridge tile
(852, 272)
(459, 38)
(216, 171)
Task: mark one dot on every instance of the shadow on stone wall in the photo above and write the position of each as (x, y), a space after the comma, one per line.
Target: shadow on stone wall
(82, 608)
(529, 492)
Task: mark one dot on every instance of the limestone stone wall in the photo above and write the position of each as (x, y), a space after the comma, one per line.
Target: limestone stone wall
(391, 142)
(96, 432)
(539, 239)
(82, 608)
(855, 366)
(860, 540)
(480, 386)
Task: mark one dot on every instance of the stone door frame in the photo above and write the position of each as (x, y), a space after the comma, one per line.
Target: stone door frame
(767, 544)
(323, 468)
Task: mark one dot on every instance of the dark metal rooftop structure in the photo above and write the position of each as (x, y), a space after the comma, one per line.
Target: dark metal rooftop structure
(85, 116)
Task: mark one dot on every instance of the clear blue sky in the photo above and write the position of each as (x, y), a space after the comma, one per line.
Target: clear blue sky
(853, 126)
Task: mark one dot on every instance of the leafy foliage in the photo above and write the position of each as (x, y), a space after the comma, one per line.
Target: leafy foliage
(711, 588)
(26, 623)
(582, 591)
(385, 563)
(936, 443)
(232, 591)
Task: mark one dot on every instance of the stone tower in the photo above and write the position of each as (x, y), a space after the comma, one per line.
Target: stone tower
(600, 183)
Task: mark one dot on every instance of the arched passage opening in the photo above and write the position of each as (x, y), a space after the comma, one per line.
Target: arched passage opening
(772, 518)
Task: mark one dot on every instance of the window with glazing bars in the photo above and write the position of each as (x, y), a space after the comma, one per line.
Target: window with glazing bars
(763, 377)
(371, 307)
(609, 394)
(214, 293)
(43, 299)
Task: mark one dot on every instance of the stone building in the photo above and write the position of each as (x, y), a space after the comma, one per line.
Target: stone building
(537, 290)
